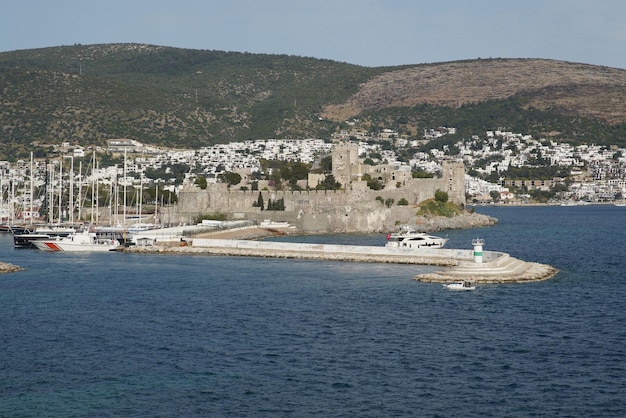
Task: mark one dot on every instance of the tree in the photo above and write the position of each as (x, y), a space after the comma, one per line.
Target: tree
(231, 178)
(299, 170)
(495, 195)
(329, 183)
(441, 196)
(276, 205)
(259, 202)
(372, 183)
(327, 164)
(403, 202)
(201, 182)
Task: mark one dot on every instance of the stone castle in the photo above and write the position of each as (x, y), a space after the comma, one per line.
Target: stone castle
(353, 208)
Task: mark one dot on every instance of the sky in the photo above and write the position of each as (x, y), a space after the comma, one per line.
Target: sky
(370, 33)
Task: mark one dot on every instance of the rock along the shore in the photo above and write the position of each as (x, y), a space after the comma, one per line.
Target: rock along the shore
(9, 268)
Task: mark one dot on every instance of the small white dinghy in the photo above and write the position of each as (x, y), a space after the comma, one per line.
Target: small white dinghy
(464, 285)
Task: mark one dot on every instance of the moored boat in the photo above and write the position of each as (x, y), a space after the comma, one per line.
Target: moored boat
(25, 239)
(462, 285)
(408, 237)
(78, 242)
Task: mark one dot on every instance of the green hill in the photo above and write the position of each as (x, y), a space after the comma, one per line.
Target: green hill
(86, 94)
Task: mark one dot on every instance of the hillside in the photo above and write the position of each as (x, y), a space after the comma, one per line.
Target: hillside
(191, 98)
(576, 89)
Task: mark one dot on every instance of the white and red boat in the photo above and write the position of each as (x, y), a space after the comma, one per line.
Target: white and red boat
(78, 242)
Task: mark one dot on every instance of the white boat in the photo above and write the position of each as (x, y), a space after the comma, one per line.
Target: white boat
(268, 223)
(79, 242)
(464, 285)
(408, 237)
(25, 240)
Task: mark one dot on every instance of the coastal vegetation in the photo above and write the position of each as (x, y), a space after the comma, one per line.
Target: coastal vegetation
(439, 206)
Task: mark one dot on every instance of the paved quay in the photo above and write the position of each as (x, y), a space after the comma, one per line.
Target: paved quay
(496, 267)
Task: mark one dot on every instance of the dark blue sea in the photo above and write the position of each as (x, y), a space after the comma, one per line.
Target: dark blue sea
(107, 335)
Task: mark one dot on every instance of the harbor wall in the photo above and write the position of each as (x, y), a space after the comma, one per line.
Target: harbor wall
(438, 257)
(497, 267)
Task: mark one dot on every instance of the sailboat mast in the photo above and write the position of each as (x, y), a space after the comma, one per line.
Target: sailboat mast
(32, 186)
(50, 195)
(124, 221)
(71, 205)
(60, 190)
(156, 203)
(93, 191)
(95, 163)
(80, 190)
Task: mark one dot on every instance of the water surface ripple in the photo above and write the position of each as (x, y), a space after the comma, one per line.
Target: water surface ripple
(169, 335)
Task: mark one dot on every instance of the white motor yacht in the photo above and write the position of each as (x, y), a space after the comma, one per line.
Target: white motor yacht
(409, 238)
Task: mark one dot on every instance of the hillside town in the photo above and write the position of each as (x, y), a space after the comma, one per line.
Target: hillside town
(593, 173)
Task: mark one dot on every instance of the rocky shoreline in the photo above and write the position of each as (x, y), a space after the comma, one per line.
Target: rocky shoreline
(466, 220)
(9, 268)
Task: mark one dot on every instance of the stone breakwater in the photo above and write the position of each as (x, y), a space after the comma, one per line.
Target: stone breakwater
(9, 268)
(497, 267)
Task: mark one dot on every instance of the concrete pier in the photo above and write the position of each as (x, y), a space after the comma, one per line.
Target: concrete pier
(504, 269)
(496, 267)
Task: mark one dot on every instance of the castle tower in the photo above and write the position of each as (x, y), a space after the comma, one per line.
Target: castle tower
(345, 160)
(454, 176)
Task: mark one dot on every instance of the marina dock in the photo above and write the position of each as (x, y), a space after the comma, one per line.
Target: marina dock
(495, 267)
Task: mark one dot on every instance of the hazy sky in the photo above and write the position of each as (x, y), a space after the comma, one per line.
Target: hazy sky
(364, 32)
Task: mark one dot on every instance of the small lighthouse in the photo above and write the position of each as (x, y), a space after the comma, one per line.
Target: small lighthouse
(478, 250)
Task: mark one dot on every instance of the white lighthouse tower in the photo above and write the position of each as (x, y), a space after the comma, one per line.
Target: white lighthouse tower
(478, 250)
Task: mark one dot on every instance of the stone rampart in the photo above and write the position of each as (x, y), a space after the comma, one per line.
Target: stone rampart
(359, 209)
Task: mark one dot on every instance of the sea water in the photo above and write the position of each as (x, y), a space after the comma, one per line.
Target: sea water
(119, 334)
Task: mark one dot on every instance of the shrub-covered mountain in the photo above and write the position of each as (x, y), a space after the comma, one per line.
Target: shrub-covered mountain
(86, 94)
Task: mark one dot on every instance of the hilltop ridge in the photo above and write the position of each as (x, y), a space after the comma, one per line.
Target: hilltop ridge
(184, 98)
(586, 90)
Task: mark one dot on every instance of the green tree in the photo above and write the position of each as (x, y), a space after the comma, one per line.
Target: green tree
(421, 175)
(403, 202)
(327, 164)
(441, 196)
(259, 202)
(201, 182)
(329, 183)
(276, 205)
(230, 178)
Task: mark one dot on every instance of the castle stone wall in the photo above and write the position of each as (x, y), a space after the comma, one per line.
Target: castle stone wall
(354, 208)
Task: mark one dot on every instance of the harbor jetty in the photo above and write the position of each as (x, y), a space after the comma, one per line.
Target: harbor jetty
(477, 266)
